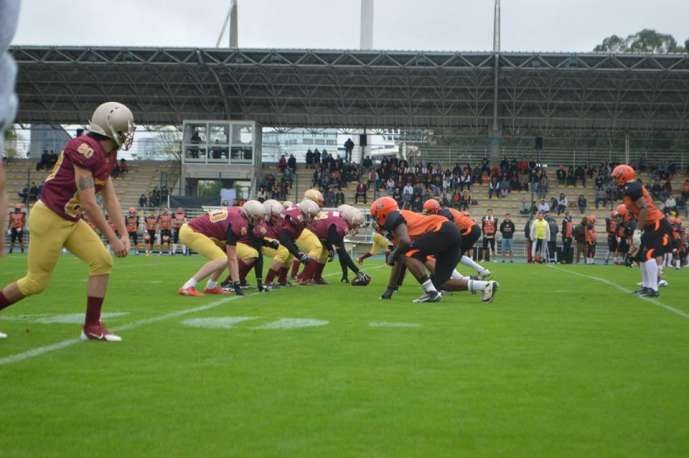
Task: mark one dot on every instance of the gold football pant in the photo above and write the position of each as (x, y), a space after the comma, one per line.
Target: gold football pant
(310, 245)
(212, 248)
(281, 255)
(49, 234)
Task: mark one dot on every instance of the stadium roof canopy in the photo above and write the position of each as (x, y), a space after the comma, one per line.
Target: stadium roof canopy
(374, 89)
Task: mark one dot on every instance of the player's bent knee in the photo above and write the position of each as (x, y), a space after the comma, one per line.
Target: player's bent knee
(33, 284)
(101, 265)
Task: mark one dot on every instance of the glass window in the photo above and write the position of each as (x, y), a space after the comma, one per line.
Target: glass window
(219, 134)
(242, 134)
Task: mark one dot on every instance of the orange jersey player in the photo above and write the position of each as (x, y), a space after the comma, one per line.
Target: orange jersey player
(151, 223)
(132, 223)
(82, 170)
(470, 230)
(165, 220)
(653, 231)
(417, 237)
(15, 226)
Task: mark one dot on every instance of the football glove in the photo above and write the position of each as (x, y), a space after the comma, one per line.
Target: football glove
(387, 294)
(331, 255)
(362, 279)
(274, 244)
(304, 259)
(237, 287)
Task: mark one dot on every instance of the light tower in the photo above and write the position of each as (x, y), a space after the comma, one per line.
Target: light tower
(494, 140)
(366, 38)
(232, 20)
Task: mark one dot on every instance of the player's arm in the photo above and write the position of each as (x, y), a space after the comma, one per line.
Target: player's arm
(337, 241)
(112, 205)
(287, 241)
(401, 234)
(86, 191)
(643, 213)
(394, 280)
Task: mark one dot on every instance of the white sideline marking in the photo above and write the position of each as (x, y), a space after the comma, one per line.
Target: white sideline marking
(224, 322)
(74, 318)
(653, 301)
(293, 323)
(136, 324)
(387, 324)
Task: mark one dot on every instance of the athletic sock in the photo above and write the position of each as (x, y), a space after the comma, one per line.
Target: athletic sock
(295, 268)
(4, 302)
(456, 275)
(191, 283)
(476, 285)
(93, 306)
(652, 273)
(211, 284)
(428, 286)
(282, 275)
(467, 261)
(271, 276)
(318, 273)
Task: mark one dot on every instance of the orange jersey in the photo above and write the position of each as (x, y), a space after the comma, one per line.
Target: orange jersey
(132, 223)
(165, 222)
(17, 220)
(417, 224)
(590, 235)
(151, 223)
(180, 218)
(633, 191)
(462, 221)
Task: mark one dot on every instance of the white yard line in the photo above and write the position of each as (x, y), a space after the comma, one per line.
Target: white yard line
(651, 300)
(133, 325)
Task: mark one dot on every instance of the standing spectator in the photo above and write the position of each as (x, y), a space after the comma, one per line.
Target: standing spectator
(489, 226)
(581, 203)
(360, 192)
(349, 147)
(309, 158)
(540, 234)
(507, 233)
(282, 163)
(590, 238)
(407, 194)
(567, 236)
(493, 188)
(339, 197)
(562, 203)
(529, 240)
(600, 197)
(15, 227)
(552, 240)
(292, 163)
(143, 201)
(316, 158)
(151, 222)
(580, 239)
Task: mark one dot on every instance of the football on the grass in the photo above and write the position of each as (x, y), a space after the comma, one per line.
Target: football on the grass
(361, 280)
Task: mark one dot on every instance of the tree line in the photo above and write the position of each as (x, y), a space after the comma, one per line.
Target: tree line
(645, 41)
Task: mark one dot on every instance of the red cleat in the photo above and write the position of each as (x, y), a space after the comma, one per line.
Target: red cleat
(190, 292)
(216, 290)
(98, 331)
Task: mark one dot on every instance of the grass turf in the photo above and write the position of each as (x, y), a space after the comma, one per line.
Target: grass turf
(559, 365)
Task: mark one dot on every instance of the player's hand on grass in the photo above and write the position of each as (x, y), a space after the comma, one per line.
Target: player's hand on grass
(237, 288)
(387, 294)
(127, 243)
(344, 278)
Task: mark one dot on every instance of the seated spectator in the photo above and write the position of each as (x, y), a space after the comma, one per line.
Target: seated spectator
(339, 197)
(360, 192)
(561, 175)
(123, 166)
(600, 197)
(543, 207)
(562, 203)
(670, 205)
(261, 194)
(581, 203)
(143, 201)
(525, 208)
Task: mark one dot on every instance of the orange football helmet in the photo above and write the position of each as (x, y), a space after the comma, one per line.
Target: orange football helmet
(622, 174)
(382, 207)
(431, 207)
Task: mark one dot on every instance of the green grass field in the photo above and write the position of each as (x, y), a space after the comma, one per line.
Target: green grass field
(560, 365)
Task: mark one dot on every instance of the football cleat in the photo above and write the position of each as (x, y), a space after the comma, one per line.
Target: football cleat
(217, 290)
(663, 283)
(485, 275)
(319, 281)
(98, 331)
(489, 293)
(432, 296)
(640, 291)
(190, 292)
(3, 335)
(362, 279)
(649, 293)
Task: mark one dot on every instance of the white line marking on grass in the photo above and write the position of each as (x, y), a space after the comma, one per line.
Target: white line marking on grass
(387, 324)
(224, 322)
(74, 318)
(293, 323)
(653, 301)
(136, 324)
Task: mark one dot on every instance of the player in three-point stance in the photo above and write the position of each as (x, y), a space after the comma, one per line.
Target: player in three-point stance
(82, 170)
(653, 231)
(417, 238)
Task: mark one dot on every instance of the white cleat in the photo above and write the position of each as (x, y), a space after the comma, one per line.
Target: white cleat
(3, 335)
(99, 332)
(433, 296)
(489, 292)
(485, 275)
(663, 283)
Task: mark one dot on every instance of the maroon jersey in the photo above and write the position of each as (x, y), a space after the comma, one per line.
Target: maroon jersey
(60, 190)
(322, 223)
(293, 223)
(217, 224)
(258, 232)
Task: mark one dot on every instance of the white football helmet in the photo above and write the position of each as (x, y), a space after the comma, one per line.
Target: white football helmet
(287, 204)
(115, 121)
(353, 216)
(273, 208)
(316, 196)
(254, 210)
(309, 208)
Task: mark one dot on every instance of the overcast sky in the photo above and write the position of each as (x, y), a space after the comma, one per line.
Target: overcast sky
(460, 25)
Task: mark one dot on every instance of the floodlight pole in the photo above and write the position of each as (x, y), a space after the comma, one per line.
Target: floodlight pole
(495, 132)
(366, 25)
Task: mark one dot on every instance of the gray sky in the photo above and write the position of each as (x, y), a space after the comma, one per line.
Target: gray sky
(463, 25)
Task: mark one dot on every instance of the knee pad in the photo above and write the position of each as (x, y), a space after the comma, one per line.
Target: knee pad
(33, 283)
(102, 265)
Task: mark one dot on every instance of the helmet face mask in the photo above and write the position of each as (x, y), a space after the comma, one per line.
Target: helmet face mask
(623, 174)
(115, 121)
(381, 208)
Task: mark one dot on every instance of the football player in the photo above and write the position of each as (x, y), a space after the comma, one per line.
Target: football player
(208, 232)
(625, 231)
(379, 244)
(151, 222)
(307, 242)
(165, 220)
(415, 238)
(132, 222)
(469, 229)
(82, 170)
(275, 213)
(591, 237)
(179, 219)
(331, 228)
(15, 227)
(675, 254)
(653, 231)
(291, 227)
